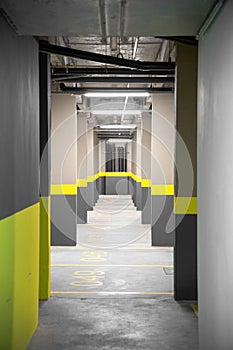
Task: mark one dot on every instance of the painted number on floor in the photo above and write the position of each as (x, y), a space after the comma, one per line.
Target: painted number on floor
(88, 278)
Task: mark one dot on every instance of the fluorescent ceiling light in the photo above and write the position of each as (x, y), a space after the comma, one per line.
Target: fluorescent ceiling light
(135, 48)
(117, 126)
(115, 112)
(119, 140)
(117, 94)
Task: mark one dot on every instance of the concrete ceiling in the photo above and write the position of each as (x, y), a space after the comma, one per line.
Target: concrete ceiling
(88, 25)
(148, 49)
(118, 17)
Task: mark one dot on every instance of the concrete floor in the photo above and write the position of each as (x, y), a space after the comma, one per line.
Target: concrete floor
(113, 290)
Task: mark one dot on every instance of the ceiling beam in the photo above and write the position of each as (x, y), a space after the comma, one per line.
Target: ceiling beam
(130, 80)
(44, 46)
(161, 68)
(82, 90)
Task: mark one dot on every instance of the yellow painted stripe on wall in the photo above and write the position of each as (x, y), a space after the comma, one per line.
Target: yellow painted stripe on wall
(63, 189)
(185, 205)
(162, 190)
(82, 183)
(135, 177)
(44, 276)
(117, 174)
(19, 277)
(102, 173)
(91, 178)
(146, 183)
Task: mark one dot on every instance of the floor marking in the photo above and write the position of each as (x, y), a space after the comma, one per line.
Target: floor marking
(81, 247)
(94, 256)
(114, 293)
(88, 278)
(105, 265)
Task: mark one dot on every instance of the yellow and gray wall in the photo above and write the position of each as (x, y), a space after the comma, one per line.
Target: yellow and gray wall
(185, 200)
(162, 169)
(63, 170)
(19, 181)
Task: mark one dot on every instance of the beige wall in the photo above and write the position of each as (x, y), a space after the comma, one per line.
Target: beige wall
(102, 156)
(90, 149)
(146, 146)
(163, 138)
(81, 146)
(63, 139)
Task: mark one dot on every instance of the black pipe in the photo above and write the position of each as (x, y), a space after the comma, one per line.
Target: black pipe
(130, 80)
(82, 90)
(44, 46)
(188, 40)
(162, 68)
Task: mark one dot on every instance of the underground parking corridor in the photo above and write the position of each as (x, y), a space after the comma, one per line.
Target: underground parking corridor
(116, 194)
(114, 290)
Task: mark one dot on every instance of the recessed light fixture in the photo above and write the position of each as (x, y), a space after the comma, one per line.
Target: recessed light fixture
(119, 140)
(117, 126)
(118, 112)
(117, 94)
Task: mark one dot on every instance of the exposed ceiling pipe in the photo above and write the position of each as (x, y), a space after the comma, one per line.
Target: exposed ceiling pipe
(135, 48)
(103, 21)
(129, 80)
(62, 43)
(113, 43)
(161, 68)
(90, 56)
(188, 40)
(122, 18)
(82, 90)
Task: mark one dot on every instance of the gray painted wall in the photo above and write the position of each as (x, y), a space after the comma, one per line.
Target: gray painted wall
(19, 121)
(117, 185)
(215, 191)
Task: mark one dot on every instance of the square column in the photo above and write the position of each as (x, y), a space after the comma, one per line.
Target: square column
(162, 169)
(185, 201)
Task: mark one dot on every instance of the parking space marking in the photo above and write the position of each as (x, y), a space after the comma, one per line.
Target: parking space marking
(112, 293)
(109, 265)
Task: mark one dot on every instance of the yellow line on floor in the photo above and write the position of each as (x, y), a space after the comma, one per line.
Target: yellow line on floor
(114, 293)
(109, 265)
(129, 247)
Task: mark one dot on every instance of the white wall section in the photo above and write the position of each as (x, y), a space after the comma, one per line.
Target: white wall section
(215, 191)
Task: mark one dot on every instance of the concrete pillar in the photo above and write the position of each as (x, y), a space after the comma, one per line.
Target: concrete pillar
(45, 172)
(138, 167)
(185, 258)
(95, 167)
(63, 162)
(133, 166)
(90, 166)
(146, 168)
(82, 205)
(162, 169)
(102, 166)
